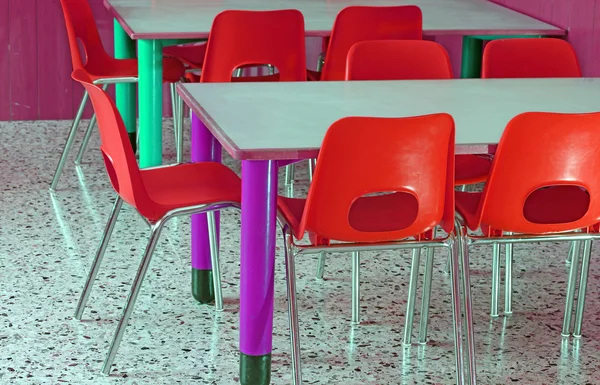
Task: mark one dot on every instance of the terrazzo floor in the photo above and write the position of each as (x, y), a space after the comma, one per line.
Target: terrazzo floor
(47, 243)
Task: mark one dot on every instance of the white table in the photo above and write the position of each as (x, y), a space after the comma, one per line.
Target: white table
(263, 123)
(289, 120)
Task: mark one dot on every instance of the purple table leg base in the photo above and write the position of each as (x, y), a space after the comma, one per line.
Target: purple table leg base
(255, 370)
(202, 286)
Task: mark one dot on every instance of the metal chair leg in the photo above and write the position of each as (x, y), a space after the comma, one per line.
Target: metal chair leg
(179, 134)
(566, 328)
(135, 290)
(427, 280)
(69, 143)
(468, 308)
(321, 265)
(571, 253)
(290, 171)
(412, 295)
(312, 163)
(494, 312)
(508, 268)
(447, 266)
(214, 257)
(583, 280)
(290, 273)
(87, 288)
(355, 288)
(88, 134)
(456, 310)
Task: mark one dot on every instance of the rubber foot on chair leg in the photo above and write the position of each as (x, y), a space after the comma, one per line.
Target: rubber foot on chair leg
(255, 370)
(133, 141)
(202, 286)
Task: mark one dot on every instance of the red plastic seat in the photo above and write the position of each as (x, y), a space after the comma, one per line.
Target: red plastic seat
(376, 23)
(96, 63)
(158, 194)
(248, 38)
(88, 55)
(543, 182)
(378, 181)
(529, 58)
(412, 60)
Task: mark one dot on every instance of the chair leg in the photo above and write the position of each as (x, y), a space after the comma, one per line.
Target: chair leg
(571, 252)
(88, 134)
(355, 288)
(412, 295)
(456, 310)
(321, 265)
(468, 308)
(290, 171)
(290, 267)
(179, 135)
(87, 288)
(495, 279)
(69, 143)
(427, 280)
(585, 269)
(312, 163)
(135, 290)
(214, 257)
(508, 268)
(447, 266)
(320, 62)
(566, 328)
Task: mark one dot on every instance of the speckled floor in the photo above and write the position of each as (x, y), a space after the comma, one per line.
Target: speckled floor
(47, 243)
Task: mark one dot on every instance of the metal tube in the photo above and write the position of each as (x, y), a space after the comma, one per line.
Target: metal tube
(214, 258)
(135, 290)
(456, 311)
(566, 328)
(412, 295)
(424, 319)
(470, 335)
(508, 278)
(89, 283)
(88, 134)
(321, 265)
(495, 280)
(355, 287)
(69, 143)
(585, 269)
(292, 309)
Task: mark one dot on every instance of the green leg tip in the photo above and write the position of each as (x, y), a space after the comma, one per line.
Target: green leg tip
(133, 141)
(202, 286)
(255, 370)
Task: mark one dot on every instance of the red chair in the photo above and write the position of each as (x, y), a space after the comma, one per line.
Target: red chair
(251, 38)
(158, 194)
(376, 187)
(529, 58)
(412, 60)
(99, 66)
(543, 186)
(376, 23)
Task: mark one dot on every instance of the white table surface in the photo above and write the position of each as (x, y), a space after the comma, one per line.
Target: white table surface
(172, 19)
(289, 120)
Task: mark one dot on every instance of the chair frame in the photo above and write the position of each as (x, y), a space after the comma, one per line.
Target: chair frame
(155, 231)
(458, 254)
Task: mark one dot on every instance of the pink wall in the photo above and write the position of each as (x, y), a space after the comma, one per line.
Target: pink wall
(35, 63)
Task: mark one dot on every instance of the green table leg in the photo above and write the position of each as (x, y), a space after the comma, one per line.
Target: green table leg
(472, 49)
(126, 93)
(150, 102)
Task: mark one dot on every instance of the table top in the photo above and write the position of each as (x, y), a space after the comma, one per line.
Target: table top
(192, 19)
(285, 121)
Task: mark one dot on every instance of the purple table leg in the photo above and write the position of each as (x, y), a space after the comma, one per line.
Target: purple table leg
(257, 260)
(205, 148)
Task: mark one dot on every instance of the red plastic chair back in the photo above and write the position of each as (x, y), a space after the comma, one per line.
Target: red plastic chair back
(81, 27)
(359, 23)
(365, 155)
(398, 60)
(529, 58)
(539, 150)
(240, 38)
(119, 158)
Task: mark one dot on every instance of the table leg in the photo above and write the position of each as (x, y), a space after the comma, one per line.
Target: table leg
(472, 49)
(259, 215)
(126, 92)
(205, 148)
(150, 102)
